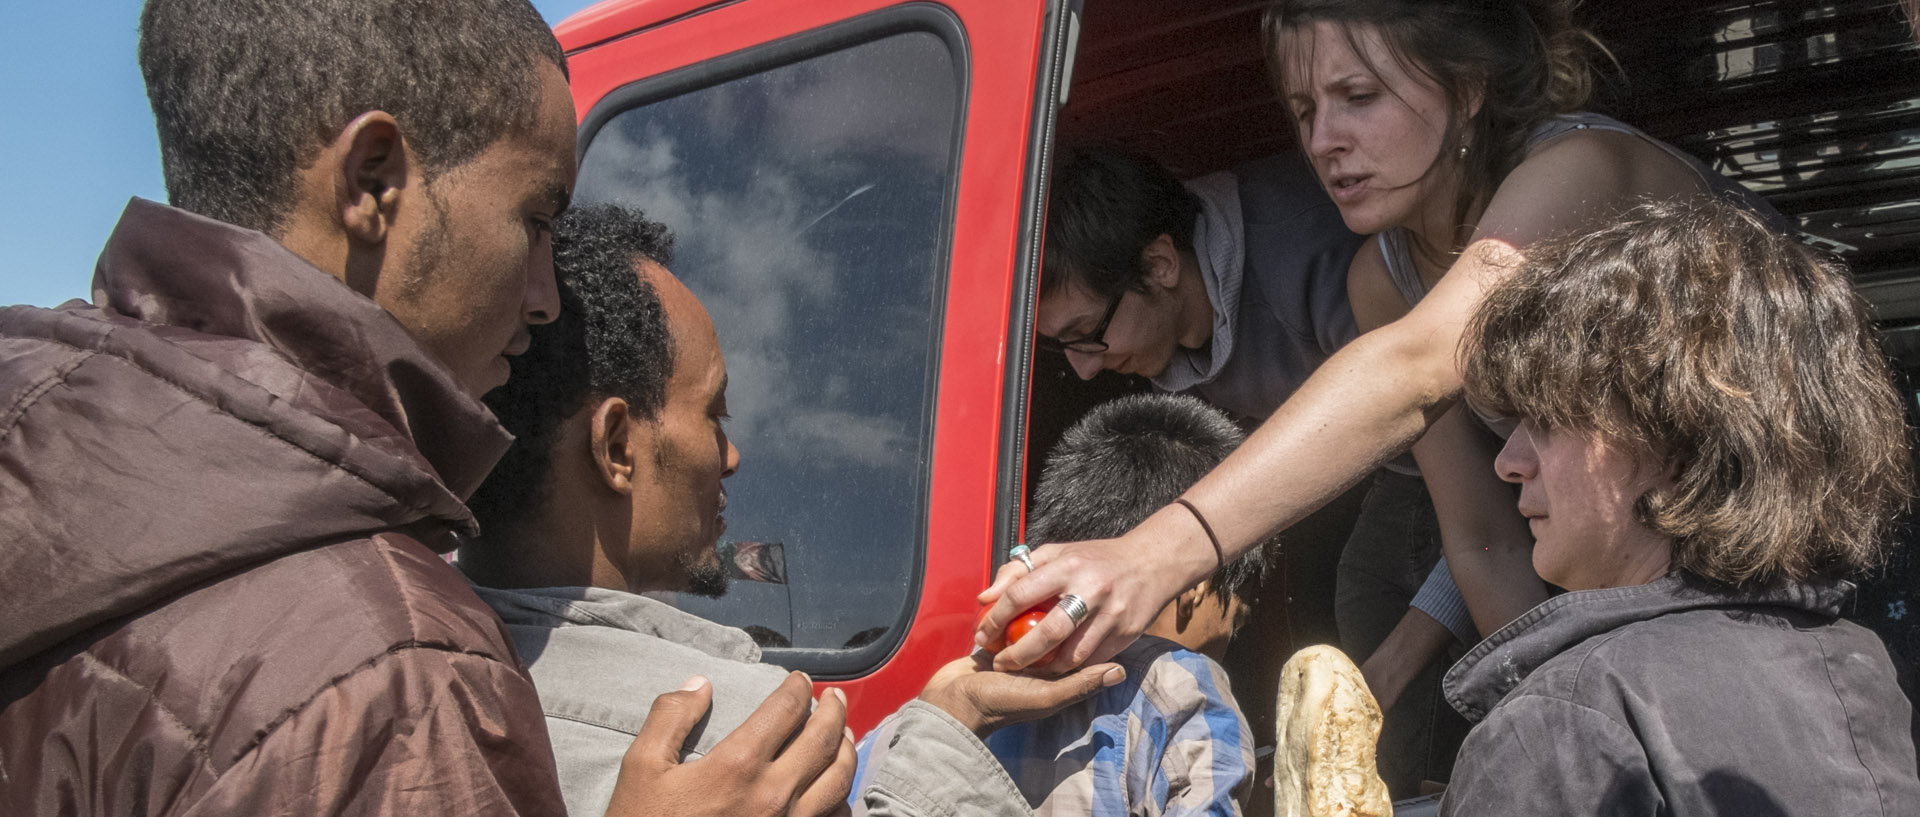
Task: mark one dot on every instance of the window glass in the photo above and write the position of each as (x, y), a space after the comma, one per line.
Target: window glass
(811, 204)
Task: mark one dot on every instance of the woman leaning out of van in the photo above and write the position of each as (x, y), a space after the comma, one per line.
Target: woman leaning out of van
(1451, 131)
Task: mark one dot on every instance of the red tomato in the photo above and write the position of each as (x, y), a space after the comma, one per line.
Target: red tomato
(1020, 626)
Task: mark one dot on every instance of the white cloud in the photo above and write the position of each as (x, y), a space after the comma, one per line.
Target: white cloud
(749, 250)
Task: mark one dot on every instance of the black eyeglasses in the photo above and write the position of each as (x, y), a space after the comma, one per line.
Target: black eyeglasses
(1092, 343)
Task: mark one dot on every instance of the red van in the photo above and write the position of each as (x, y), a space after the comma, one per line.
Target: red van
(858, 188)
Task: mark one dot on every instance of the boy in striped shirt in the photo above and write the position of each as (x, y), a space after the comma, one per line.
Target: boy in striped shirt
(1169, 740)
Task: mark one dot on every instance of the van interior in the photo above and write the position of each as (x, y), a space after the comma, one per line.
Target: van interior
(1815, 105)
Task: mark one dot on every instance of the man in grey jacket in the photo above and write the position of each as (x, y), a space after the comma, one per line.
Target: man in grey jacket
(614, 487)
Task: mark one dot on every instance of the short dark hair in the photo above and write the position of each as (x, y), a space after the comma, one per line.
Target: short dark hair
(247, 92)
(611, 340)
(1742, 359)
(1104, 206)
(1128, 458)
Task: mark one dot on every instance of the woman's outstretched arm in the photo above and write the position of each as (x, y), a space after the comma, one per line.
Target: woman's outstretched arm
(1364, 406)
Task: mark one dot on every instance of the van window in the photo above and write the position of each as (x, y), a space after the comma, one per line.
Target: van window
(811, 203)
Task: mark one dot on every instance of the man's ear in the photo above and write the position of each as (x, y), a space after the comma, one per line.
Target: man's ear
(370, 175)
(1162, 262)
(1186, 603)
(612, 433)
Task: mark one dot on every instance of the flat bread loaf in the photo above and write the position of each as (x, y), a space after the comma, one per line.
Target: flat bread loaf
(1329, 725)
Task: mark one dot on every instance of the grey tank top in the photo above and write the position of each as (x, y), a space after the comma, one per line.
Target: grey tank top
(1396, 248)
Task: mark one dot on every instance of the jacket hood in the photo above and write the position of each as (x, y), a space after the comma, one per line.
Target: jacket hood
(1219, 245)
(223, 403)
(1493, 668)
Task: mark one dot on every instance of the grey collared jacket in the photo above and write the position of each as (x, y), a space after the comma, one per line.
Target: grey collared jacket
(1669, 698)
(599, 657)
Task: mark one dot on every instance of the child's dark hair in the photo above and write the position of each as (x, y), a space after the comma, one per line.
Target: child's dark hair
(1128, 458)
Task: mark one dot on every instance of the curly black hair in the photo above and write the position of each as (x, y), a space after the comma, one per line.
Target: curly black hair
(610, 340)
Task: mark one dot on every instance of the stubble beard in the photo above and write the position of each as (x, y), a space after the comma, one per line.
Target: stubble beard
(706, 577)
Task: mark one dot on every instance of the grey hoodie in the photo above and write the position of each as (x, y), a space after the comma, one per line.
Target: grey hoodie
(1671, 698)
(1273, 254)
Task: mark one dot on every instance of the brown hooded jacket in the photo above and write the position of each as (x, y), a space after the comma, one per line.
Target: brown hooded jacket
(224, 490)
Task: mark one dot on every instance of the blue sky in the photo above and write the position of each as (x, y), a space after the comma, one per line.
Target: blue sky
(78, 139)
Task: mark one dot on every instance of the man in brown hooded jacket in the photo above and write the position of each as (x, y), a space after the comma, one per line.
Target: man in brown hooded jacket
(227, 482)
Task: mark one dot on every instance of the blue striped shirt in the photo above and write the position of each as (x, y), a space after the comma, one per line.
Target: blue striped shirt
(1170, 740)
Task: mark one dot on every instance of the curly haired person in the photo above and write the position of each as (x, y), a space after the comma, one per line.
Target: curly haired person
(1710, 445)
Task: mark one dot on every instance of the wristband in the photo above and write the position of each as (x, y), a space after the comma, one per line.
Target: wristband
(1219, 553)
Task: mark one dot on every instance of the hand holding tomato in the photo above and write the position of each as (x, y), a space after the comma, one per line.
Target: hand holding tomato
(983, 700)
(1020, 626)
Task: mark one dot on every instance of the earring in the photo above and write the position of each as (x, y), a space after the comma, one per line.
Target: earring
(1463, 153)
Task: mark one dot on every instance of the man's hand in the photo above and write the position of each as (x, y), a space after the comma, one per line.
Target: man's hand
(1415, 642)
(984, 700)
(752, 772)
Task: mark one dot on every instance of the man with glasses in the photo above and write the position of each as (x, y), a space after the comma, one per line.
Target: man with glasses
(1231, 287)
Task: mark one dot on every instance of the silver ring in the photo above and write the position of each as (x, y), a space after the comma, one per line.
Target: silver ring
(1075, 608)
(1020, 552)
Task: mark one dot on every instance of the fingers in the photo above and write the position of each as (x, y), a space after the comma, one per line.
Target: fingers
(976, 661)
(758, 738)
(814, 749)
(996, 699)
(1006, 575)
(1044, 697)
(1023, 593)
(1078, 647)
(828, 793)
(1013, 571)
(1049, 633)
(1100, 638)
(1091, 679)
(668, 723)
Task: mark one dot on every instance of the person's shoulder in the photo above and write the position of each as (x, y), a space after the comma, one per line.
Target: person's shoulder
(1729, 636)
(1597, 163)
(1178, 680)
(1668, 651)
(1283, 191)
(359, 598)
(1374, 298)
(1580, 179)
(606, 675)
(1615, 147)
(1281, 177)
(621, 657)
